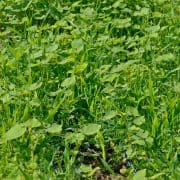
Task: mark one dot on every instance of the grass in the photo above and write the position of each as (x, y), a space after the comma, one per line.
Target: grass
(89, 89)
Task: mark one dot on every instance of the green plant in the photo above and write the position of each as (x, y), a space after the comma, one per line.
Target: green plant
(89, 89)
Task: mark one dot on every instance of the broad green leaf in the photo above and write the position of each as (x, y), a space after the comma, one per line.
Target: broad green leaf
(15, 132)
(91, 129)
(139, 120)
(134, 128)
(88, 12)
(109, 115)
(157, 14)
(160, 2)
(117, 49)
(37, 54)
(26, 113)
(55, 93)
(35, 102)
(117, 3)
(143, 12)
(52, 48)
(80, 68)
(34, 86)
(6, 98)
(109, 89)
(139, 142)
(85, 168)
(102, 38)
(118, 68)
(165, 57)
(67, 60)
(132, 111)
(123, 66)
(109, 77)
(177, 139)
(149, 140)
(74, 137)
(77, 44)
(69, 82)
(140, 175)
(122, 23)
(103, 69)
(124, 171)
(32, 28)
(32, 123)
(143, 134)
(54, 129)
(153, 28)
(177, 88)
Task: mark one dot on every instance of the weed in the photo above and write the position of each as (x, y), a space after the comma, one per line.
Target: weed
(89, 89)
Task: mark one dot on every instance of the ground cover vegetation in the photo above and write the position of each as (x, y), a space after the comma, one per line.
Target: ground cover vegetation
(89, 89)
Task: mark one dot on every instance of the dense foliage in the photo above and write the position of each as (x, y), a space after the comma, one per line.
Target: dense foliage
(89, 89)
